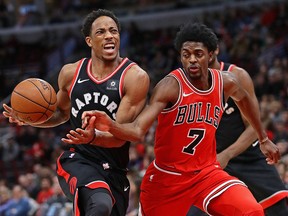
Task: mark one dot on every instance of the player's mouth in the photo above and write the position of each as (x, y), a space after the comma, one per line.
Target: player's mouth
(193, 69)
(110, 47)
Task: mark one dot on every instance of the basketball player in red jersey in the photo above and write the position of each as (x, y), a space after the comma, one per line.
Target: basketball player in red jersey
(189, 103)
(93, 177)
(239, 154)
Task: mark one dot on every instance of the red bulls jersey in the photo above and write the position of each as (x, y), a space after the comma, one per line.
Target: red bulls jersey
(185, 136)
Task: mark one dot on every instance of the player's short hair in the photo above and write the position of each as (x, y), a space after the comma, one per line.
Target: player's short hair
(196, 32)
(91, 17)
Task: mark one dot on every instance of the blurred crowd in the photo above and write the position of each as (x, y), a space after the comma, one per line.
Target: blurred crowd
(255, 38)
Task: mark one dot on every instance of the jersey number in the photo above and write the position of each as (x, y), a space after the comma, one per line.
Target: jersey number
(197, 135)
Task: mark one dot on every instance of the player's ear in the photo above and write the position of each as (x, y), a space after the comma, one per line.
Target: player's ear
(216, 52)
(211, 55)
(88, 41)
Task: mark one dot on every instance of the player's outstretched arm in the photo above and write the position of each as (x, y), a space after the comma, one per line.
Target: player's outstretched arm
(165, 92)
(62, 113)
(250, 110)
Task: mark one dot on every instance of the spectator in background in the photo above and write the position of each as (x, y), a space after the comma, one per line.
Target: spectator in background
(282, 146)
(285, 177)
(30, 183)
(133, 197)
(57, 204)
(5, 199)
(10, 148)
(19, 205)
(46, 190)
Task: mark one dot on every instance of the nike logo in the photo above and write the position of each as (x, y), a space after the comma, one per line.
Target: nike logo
(186, 95)
(81, 81)
(255, 143)
(126, 188)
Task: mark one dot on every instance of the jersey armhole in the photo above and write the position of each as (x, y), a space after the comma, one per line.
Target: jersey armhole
(76, 74)
(121, 82)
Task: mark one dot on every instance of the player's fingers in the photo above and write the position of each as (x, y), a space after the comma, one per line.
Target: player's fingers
(85, 121)
(86, 114)
(7, 108)
(91, 122)
(6, 114)
(75, 134)
(80, 131)
(274, 158)
(68, 141)
(74, 139)
(271, 161)
(277, 158)
(11, 120)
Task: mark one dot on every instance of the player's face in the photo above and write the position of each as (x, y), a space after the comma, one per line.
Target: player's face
(104, 39)
(195, 59)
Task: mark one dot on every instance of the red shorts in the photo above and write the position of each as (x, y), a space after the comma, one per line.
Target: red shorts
(169, 193)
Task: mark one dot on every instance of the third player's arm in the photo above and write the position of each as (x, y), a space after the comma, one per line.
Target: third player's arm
(250, 110)
(249, 135)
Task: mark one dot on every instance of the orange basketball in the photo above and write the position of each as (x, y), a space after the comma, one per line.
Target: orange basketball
(34, 101)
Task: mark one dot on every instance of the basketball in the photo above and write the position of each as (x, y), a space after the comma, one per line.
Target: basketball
(34, 101)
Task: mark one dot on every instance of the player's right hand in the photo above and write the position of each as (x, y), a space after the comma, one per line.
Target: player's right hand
(103, 122)
(9, 113)
(271, 151)
(81, 136)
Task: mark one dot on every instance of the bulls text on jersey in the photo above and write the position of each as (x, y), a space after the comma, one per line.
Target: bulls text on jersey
(196, 112)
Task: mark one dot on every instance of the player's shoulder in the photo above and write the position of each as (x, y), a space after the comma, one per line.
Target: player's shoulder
(229, 78)
(241, 73)
(67, 72)
(238, 70)
(71, 66)
(136, 69)
(136, 73)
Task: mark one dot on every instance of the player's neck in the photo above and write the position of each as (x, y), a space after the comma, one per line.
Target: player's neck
(101, 68)
(216, 65)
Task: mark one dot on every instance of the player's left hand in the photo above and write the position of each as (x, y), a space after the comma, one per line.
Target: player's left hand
(10, 114)
(81, 136)
(271, 151)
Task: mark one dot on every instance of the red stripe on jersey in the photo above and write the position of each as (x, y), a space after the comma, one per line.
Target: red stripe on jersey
(76, 207)
(60, 171)
(75, 76)
(229, 69)
(121, 82)
(89, 72)
(266, 203)
(100, 184)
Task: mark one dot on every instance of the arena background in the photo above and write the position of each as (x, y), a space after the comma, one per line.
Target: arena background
(38, 37)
